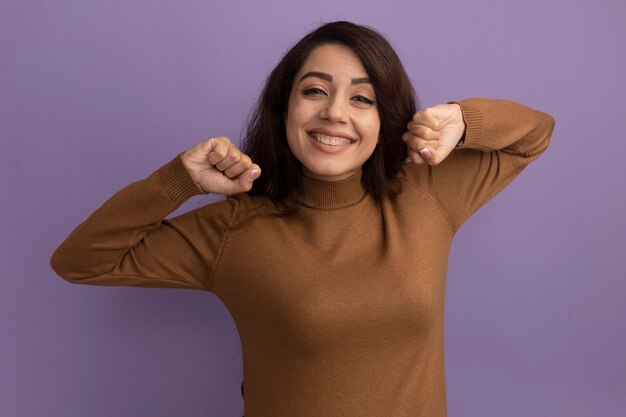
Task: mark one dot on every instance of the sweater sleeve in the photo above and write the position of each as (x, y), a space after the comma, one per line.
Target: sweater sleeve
(128, 241)
(501, 139)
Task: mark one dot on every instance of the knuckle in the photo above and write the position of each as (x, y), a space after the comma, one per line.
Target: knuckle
(233, 157)
(220, 144)
(420, 130)
(220, 152)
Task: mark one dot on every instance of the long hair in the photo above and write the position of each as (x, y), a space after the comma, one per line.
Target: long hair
(265, 139)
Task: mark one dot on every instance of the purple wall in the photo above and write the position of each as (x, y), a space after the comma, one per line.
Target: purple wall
(97, 94)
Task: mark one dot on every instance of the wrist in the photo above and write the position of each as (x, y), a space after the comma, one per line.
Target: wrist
(187, 164)
(461, 122)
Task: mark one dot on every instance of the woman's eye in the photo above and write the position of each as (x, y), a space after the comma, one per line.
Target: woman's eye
(313, 91)
(364, 100)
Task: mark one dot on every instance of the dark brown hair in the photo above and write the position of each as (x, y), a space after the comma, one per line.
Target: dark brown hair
(265, 139)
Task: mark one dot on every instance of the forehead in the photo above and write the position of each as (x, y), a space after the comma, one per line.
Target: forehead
(335, 60)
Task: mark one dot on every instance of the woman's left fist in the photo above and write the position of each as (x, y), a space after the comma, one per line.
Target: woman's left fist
(433, 133)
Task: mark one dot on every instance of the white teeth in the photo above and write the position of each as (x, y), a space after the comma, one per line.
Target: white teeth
(330, 140)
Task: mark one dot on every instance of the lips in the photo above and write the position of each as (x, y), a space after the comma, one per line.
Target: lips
(330, 138)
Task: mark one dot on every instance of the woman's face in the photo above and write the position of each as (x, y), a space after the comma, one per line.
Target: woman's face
(332, 121)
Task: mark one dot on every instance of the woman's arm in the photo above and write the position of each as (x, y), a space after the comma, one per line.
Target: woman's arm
(127, 241)
(500, 139)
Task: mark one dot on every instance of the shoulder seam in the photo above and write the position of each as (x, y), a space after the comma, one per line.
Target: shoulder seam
(434, 200)
(223, 244)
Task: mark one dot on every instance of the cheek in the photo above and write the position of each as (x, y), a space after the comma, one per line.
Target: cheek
(293, 119)
(371, 129)
(292, 125)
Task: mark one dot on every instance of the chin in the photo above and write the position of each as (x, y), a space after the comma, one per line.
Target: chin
(327, 173)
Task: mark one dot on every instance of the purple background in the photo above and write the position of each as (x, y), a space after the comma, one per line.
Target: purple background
(96, 94)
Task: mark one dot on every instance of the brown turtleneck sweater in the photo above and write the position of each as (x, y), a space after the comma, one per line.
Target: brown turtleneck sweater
(339, 305)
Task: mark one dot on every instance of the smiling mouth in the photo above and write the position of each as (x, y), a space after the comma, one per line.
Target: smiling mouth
(331, 140)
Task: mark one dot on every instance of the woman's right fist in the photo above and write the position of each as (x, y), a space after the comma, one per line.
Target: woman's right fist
(217, 166)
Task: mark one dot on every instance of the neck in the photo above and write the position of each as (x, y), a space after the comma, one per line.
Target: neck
(329, 195)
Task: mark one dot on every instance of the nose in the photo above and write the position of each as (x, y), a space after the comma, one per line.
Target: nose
(334, 110)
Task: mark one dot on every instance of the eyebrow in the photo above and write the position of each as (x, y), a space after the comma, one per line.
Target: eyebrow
(329, 78)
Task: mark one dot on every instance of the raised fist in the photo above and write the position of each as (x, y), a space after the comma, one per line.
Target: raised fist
(433, 133)
(218, 166)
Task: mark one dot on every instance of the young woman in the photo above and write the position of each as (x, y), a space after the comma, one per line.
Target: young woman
(331, 250)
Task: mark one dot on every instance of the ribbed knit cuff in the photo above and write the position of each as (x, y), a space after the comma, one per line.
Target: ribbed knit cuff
(177, 182)
(473, 118)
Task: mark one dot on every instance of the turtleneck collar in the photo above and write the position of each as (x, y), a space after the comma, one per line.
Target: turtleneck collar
(329, 195)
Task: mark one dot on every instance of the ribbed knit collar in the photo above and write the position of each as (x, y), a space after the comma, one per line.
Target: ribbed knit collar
(329, 195)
